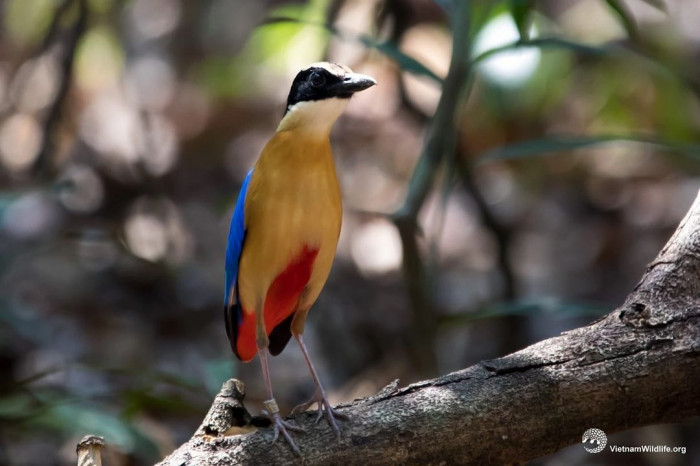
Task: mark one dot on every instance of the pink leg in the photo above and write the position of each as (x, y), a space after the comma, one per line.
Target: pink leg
(271, 409)
(319, 396)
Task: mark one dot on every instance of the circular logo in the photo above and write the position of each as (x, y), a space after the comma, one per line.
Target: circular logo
(594, 440)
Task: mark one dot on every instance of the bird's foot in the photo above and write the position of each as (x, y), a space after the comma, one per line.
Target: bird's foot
(281, 427)
(324, 406)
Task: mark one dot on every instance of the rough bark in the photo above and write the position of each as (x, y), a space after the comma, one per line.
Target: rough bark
(638, 365)
(89, 451)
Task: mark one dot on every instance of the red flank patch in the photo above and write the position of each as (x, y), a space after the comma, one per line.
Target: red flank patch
(280, 302)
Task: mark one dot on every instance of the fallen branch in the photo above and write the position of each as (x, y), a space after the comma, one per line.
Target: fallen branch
(638, 365)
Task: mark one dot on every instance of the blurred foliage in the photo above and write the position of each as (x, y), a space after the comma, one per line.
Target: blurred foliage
(27, 21)
(111, 261)
(564, 145)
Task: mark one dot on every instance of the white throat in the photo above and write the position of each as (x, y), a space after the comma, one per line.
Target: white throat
(314, 116)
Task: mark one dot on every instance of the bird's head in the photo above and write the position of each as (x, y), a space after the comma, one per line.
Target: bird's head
(319, 95)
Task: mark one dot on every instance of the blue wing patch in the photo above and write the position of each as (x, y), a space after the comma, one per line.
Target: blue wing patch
(234, 247)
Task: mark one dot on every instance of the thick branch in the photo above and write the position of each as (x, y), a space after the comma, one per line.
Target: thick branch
(638, 365)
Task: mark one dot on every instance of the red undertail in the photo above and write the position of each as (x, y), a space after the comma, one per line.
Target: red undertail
(280, 302)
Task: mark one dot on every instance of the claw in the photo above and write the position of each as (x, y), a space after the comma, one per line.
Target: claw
(281, 426)
(303, 406)
(323, 407)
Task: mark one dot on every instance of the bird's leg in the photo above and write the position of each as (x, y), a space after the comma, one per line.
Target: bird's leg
(319, 395)
(271, 408)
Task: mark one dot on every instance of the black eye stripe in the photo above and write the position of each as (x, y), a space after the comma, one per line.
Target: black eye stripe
(313, 84)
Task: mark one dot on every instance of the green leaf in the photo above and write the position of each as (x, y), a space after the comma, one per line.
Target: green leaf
(625, 18)
(526, 307)
(405, 62)
(565, 143)
(521, 9)
(64, 415)
(81, 420)
(545, 43)
(658, 4)
(389, 49)
(603, 51)
(14, 406)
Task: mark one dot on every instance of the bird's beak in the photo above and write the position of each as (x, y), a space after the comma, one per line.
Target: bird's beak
(354, 82)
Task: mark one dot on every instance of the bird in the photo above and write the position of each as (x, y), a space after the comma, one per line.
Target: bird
(284, 232)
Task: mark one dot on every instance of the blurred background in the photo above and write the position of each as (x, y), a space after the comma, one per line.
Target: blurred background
(127, 127)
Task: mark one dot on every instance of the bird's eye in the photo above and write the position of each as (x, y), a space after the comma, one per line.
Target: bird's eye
(318, 80)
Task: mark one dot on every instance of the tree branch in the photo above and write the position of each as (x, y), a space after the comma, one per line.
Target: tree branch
(439, 143)
(501, 233)
(70, 46)
(638, 365)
